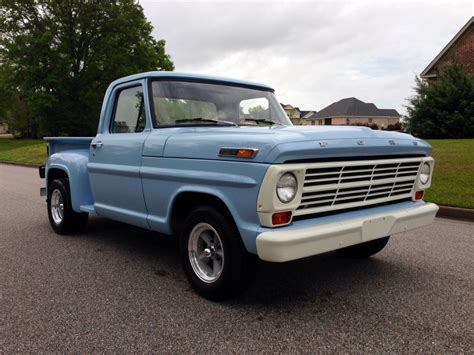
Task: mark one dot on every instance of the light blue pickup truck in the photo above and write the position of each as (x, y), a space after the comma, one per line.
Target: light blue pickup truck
(217, 163)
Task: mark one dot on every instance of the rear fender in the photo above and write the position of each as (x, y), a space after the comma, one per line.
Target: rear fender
(74, 164)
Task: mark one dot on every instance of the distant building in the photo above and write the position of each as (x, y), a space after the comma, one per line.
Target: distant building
(293, 113)
(459, 49)
(3, 128)
(352, 111)
(307, 117)
(297, 116)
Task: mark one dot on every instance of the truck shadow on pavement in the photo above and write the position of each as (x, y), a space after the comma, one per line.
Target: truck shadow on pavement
(320, 278)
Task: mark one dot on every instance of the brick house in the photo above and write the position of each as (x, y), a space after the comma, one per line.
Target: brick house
(460, 49)
(352, 111)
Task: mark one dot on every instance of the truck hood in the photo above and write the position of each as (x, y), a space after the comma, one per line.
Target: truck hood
(279, 144)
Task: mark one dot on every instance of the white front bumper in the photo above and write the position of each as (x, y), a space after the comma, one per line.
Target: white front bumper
(289, 244)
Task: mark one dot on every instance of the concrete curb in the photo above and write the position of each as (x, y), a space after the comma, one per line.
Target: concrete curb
(25, 165)
(444, 211)
(456, 213)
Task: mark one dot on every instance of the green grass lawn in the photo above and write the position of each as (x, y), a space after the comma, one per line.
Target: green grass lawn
(453, 180)
(26, 151)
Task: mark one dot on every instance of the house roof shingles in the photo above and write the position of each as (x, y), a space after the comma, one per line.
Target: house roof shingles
(355, 107)
(308, 114)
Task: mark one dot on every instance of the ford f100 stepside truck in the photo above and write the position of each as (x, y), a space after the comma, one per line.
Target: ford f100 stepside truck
(217, 163)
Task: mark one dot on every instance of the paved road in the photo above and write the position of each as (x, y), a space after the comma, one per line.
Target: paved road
(119, 288)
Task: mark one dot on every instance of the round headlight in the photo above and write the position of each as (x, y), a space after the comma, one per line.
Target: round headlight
(286, 187)
(425, 173)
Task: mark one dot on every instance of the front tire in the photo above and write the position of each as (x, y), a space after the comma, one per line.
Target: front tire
(364, 250)
(63, 219)
(214, 258)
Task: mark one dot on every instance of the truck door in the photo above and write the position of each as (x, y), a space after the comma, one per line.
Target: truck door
(115, 157)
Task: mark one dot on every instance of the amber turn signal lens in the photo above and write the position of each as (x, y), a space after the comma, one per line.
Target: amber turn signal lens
(418, 195)
(248, 153)
(245, 153)
(281, 218)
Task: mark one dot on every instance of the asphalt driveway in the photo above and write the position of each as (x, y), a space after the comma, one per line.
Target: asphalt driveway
(120, 288)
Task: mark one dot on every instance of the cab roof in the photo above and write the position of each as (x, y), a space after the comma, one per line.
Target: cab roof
(190, 77)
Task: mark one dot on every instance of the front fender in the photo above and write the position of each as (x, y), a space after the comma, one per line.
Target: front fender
(246, 225)
(236, 184)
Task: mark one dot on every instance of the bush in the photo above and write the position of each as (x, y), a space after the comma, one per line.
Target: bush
(395, 127)
(443, 108)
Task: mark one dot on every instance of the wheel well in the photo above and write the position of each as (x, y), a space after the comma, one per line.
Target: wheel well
(188, 201)
(55, 173)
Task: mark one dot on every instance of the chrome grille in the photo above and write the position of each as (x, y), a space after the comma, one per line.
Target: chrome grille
(340, 185)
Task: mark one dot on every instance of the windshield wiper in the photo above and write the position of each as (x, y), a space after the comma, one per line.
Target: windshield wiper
(262, 120)
(200, 119)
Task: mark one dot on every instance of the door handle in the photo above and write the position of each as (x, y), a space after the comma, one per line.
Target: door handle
(96, 144)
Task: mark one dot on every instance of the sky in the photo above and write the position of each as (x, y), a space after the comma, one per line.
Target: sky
(311, 52)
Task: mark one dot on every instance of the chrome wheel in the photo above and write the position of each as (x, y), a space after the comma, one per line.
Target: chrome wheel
(206, 252)
(57, 206)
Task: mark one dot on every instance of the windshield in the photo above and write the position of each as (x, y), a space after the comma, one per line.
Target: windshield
(178, 103)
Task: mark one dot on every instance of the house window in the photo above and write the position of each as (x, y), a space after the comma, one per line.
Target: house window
(320, 122)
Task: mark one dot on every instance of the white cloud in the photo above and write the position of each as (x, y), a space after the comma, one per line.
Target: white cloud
(312, 53)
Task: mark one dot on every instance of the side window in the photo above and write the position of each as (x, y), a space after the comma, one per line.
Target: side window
(257, 108)
(129, 113)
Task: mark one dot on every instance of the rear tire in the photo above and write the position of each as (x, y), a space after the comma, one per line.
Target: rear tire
(364, 250)
(214, 258)
(63, 219)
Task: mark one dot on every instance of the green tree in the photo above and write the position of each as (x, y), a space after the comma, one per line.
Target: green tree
(13, 110)
(60, 55)
(259, 112)
(443, 108)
